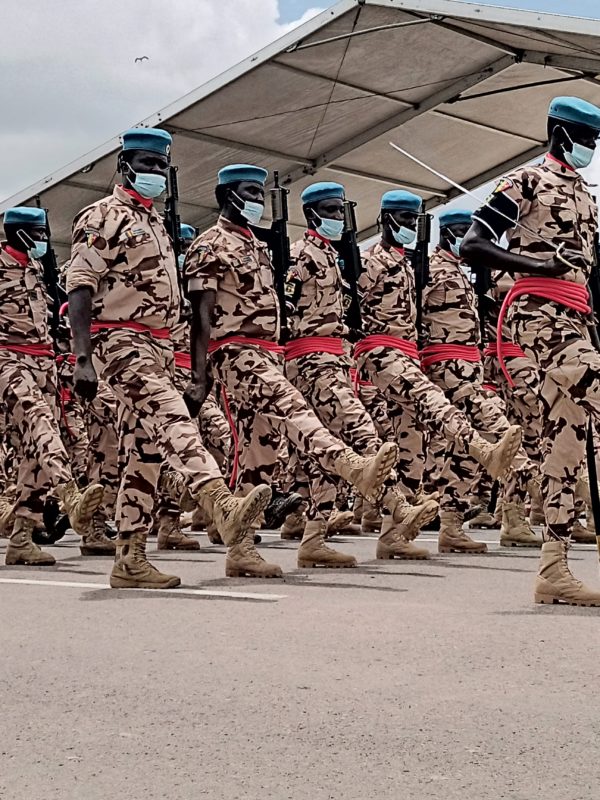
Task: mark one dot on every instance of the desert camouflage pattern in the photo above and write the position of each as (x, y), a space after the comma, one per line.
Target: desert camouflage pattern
(103, 456)
(555, 202)
(387, 286)
(449, 312)
(153, 423)
(230, 261)
(315, 282)
(28, 388)
(23, 302)
(122, 252)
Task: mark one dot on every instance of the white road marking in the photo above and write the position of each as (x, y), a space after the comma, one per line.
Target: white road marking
(181, 590)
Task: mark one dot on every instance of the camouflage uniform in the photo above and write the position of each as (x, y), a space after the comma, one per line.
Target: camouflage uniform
(322, 378)
(71, 420)
(450, 318)
(28, 386)
(100, 416)
(121, 251)
(552, 200)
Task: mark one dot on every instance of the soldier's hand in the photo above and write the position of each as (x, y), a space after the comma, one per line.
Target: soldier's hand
(195, 395)
(85, 380)
(556, 266)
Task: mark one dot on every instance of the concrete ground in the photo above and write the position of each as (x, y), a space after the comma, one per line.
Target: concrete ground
(402, 680)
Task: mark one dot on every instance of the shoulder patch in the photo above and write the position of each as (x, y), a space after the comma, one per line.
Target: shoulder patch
(502, 185)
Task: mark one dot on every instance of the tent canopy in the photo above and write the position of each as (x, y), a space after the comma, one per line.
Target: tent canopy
(464, 87)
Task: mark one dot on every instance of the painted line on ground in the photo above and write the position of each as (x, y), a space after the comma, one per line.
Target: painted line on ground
(181, 590)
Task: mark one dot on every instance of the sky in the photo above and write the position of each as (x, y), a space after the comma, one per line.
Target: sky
(71, 82)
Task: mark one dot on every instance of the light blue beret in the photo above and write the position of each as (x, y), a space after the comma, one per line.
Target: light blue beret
(187, 231)
(153, 139)
(574, 109)
(455, 216)
(401, 200)
(325, 190)
(25, 215)
(235, 173)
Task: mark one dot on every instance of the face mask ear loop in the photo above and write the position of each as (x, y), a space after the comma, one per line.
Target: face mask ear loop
(21, 234)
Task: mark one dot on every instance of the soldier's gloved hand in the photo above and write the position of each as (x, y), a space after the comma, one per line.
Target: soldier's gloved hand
(195, 395)
(85, 380)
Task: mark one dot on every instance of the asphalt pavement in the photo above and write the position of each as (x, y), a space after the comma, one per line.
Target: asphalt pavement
(435, 680)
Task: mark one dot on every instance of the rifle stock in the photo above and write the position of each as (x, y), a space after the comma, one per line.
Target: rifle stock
(279, 244)
(420, 264)
(351, 267)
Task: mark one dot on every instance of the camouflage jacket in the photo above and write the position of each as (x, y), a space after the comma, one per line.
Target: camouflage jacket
(23, 302)
(387, 286)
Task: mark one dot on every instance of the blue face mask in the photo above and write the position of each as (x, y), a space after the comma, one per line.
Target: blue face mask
(251, 211)
(181, 260)
(39, 250)
(331, 229)
(404, 235)
(455, 246)
(147, 184)
(580, 156)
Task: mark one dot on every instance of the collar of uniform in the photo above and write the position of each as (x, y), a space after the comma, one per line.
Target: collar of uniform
(131, 197)
(233, 228)
(22, 259)
(321, 241)
(560, 167)
(448, 255)
(392, 248)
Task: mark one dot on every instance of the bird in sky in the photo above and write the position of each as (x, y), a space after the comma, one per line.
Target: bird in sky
(141, 58)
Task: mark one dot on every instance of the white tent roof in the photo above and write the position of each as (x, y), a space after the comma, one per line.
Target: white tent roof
(464, 87)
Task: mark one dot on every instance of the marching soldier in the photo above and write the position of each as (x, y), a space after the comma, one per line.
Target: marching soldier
(388, 356)
(124, 302)
(451, 358)
(235, 306)
(28, 390)
(550, 220)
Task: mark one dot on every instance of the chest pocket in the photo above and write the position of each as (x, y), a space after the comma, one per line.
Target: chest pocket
(556, 213)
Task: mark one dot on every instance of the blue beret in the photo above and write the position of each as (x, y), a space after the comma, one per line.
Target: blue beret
(187, 231)
(25, 215)
(153, 139)
(235, 173)
(574, 109)
(401, 200)
(455, 216)
(322, 191)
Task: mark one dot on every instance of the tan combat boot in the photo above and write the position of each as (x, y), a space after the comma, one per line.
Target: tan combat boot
(453, 539)
(80, 507)
(94, 541)
(244, 561)
(496, 458)
(340, 522)
(7, 516)
(371, 519)
(401, 510)
(555, 583)
(313, 552)
(395, 541)
(170, 535)
(367, 474)
(132, 570)
(214, 537)
(293, 527)
(483, 520)
(233, 516)
(515, 531)
(580, 534)
(200, 520)
(23, 550)
(172, 484)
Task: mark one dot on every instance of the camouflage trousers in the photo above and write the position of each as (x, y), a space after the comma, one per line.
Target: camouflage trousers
(268, 407)
(28, 396)
(324, 381)
(458, 475)
(558, 341)
(413, 402)
(74, 434)
(153, 422)
(103, 455)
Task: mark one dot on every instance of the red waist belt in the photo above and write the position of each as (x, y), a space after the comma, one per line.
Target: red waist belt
(564, 293)
(313, 344)
(30, 349)
(183, 360)
(509, 350)
(156, 333)
(263, 344)
(438, 353)
(489, 387)
(370, 343)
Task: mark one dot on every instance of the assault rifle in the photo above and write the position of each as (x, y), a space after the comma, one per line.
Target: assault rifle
(420, 265)
(351, 268)
(57, 294)
(172, 219)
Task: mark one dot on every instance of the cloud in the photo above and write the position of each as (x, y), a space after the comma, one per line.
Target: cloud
(69, 77)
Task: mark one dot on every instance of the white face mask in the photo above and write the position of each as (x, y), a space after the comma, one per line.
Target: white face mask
(331, 229)
(580, 156)
(251, 211)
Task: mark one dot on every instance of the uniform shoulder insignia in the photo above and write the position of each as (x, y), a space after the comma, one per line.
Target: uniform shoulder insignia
(91, 236)
(502, 185)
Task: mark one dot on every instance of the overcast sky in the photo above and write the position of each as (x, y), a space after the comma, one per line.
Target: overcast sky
(70, 81)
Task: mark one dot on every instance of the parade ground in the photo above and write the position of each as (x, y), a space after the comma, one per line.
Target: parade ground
(432, 679)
